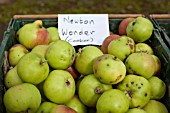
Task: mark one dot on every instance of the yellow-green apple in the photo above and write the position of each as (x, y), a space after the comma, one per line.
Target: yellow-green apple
(15, 53)
(32, 34)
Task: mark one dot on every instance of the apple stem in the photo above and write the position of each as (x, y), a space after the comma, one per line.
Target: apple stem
(98, 90)
(42, 62)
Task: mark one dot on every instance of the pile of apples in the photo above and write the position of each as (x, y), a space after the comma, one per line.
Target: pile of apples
(49, 75)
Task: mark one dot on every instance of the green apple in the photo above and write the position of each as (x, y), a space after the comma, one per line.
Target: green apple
(90, 89)
(112, 101)
(60, 54)
(157, 65)
(53, 32)
(140, 29)
(12, 78)
(40, 49)
(109, 69)
(121, 47)
(59, 87)
(141, 64)
(22, 98)
(32, 68)
(154, 106)
(32, 34)
(137, 89)
(46, 107)
(85, 59)
(136, 110)
(76, 104)
(144, 47)
(158, 88)
(15, 53)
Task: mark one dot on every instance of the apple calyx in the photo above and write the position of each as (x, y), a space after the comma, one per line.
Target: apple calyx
(42, 62)
(68, 82)
(98, 90)
(129, 93)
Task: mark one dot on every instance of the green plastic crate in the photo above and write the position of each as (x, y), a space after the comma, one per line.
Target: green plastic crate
(156, 42)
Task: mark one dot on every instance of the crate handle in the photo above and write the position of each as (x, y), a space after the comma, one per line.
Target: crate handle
(56, 16)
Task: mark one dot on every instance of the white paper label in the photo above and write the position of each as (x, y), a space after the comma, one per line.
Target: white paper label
(83, 29)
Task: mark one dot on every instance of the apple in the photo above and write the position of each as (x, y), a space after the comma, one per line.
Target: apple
(46, 107)
(121, 47)
(90, 90)
(137, 89)
(158, 88)
(60, 54)
(32, 34)
(15, 53)
(40, 49)
(109, 69)
(32, 68)
(85, 59)
(22, 98)
(106, 42)
(157, 65)
(59, 87)
(112, 101)
(144, 47)
(12, 78)
(140, 29)
(53, 32)
(141, 64)
(154, 106)
(123, 25)
(62, 109)
(76, 104)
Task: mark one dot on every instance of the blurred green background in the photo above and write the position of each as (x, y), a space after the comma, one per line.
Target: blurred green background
(9, 8)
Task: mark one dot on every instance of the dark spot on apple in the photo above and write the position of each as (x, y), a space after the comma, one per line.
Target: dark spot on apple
(133, 23)
(146, 94)
(114, 58)
(126, 43)
(130, 93)
(136, 84)
(99, 59)
(111, 82)
(106, 58)
(132, 82)
(98, 90)
(142, 84)
(73, 56)
(127, 85)
(118, 78)
(108, 65)
(139, 87)
(67, 82)
(131, 46)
